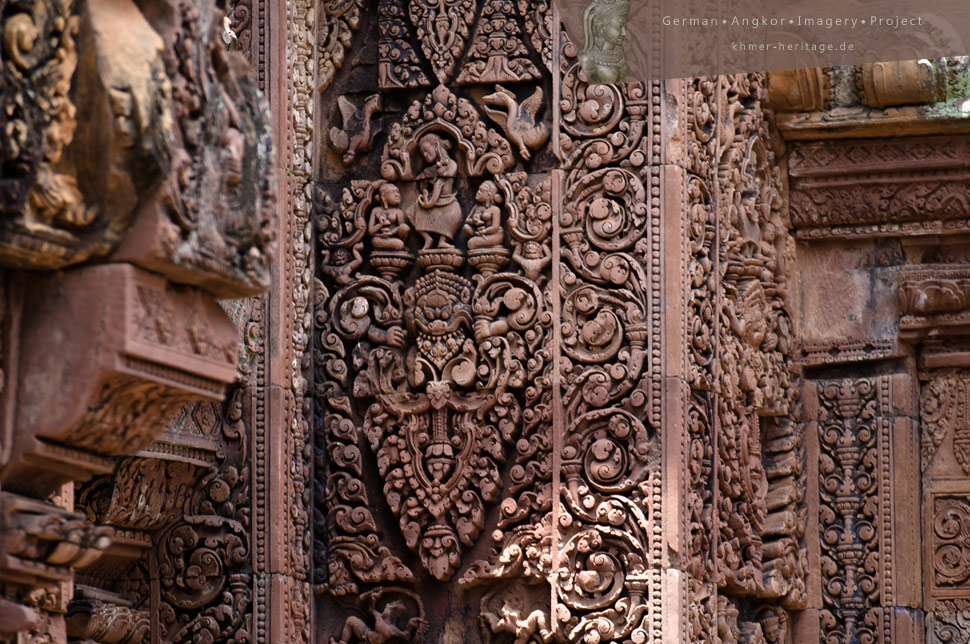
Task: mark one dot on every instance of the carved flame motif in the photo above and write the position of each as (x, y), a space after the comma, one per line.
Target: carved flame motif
(848, 443)
(442, 26)
(441, 465)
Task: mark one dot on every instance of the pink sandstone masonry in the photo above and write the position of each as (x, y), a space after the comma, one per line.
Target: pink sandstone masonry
(377, 322)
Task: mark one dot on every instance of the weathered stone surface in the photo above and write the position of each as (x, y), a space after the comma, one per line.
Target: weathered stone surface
(132, 129)
(677, 361)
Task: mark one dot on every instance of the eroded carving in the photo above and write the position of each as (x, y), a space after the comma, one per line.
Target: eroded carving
(357, 133)
(943, 414)
(950, 623)
(389, 621)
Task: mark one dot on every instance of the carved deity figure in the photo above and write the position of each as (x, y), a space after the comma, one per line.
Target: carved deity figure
(438, 212)
(533, 257)
(604, 25)
(385, 629)
(484, 225)
(529, 628)
(387, 227)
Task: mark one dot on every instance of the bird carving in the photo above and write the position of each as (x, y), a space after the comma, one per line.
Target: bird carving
(358, 132)
(518, 119)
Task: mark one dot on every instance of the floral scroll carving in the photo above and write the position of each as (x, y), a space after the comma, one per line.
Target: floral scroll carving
(951, 623)
(400, 66)
(340, 18)
(823, 206)
(471, 336)
(488, 366)
(204, 557)
(951, 535)
(746, 485)
(944, 415)
(850, 428)
(431, 315)
(608, 513)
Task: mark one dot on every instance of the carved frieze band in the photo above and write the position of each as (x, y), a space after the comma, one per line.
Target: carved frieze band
(868, 188)
(933, 299)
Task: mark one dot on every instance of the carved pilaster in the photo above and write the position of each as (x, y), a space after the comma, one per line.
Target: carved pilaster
(133, 129)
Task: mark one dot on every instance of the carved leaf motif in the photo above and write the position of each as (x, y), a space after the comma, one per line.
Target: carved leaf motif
(951, 622)
(337, 21)
(701, 503)
(497, 54)
(442, 28)
(609, 459)
(204, 555)
(538, 24)
(821, 200)
(951, 545)
(399, 65)
(848, 489)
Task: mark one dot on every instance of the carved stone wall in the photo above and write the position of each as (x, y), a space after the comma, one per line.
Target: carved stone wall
(877, 201)
(539, 361)
(136, 185)
(552, 347)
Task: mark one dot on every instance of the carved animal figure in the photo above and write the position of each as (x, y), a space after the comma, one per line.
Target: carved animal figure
(518, 119)
(358, 130)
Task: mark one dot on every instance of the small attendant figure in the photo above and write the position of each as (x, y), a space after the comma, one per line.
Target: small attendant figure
(484, 224)
(388, 227)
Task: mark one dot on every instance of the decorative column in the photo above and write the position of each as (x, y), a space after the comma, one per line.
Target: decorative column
(135, 192)
(877, 176)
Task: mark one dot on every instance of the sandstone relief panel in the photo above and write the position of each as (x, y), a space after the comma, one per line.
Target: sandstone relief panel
(544, 360)
(432, 330)
(136, 186)
(488, 361)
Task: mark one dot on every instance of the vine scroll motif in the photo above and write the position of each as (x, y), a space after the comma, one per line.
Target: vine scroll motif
(743, 514)
(203, 558)
(951, 541)
(607, 525)
(850, 427)
(440, 364)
